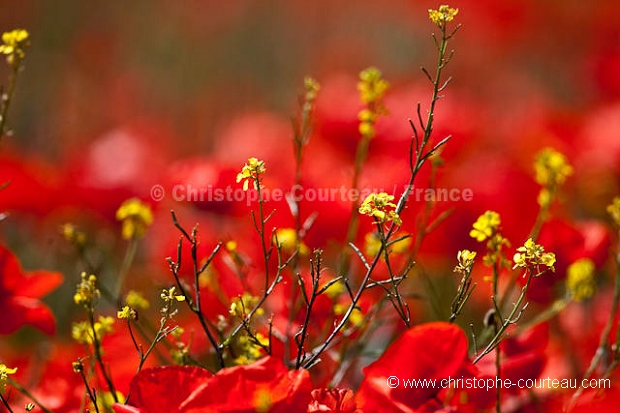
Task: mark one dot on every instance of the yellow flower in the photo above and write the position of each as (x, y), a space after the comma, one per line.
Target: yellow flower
(72, 234)
(580, 281)
(170, 295)
(371, 85)
(126, 313)
(465, 261)
(372, 244)
(372, 88)
(136, 300)
(241, 306)
(287, 240)
(485, 226)
(375, 206)
(355, 319)
(136, 217)
(532, 255)
(442, 15)
(552, 168)
(251, 172)
(312, 89)
(251, 348)
(83, 333)
(613, 210)
(4, 376)
(86, 292)
(14, 44)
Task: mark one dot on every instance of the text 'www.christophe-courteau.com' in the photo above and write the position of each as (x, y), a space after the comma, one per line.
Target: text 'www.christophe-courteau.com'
(491, 383)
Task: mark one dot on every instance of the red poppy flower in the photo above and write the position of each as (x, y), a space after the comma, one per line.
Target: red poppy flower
(19, 295)
(333, 400)
(266, 385)
(434, 352)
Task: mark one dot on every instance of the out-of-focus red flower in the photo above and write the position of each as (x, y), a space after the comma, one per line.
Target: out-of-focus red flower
(569, 242)
(19, 295)
(32, 184)
(333, 400)
(173, 384)
(433, 352)
(266, 385)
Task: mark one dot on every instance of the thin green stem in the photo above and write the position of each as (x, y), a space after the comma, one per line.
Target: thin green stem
(7, 98)
(99, 357)
(29, 395)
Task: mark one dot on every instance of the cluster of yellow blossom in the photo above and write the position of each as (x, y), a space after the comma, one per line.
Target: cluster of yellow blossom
(127, 313)
(251, 172)
(580, 281)
(286, 239)
(613, 210)
(372, 244)
(251, 348)
(170, 295)
(241, 306)
(551, 170)
(4, 376)
(465, 261)
(136, 300)
(442, 15)
(14, 44)
(375, 206)
(87, 293)
(136, 217)
(372, 88)
(83, 333)
(532, 255)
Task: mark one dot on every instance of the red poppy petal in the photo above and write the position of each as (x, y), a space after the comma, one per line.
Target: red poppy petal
(40, 283)
(244, 388)
(20, 311)
(164, 389)
(11, 273)
(122, 408)
(432, 351)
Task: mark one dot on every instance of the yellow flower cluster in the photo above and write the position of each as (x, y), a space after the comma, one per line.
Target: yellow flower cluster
(485, 226)
(613, 210)
(286, 239)
(580, 281)
(551, 170)
(375, 205)
(169, 295)
(241, 306)
(4, 376)
(87, 292)
(442, 15)
(355, 319)
(72, 234)
(83, 333)
(488, 228)
(136, 300)
(372, 88)
(312, 89)
(251, 348)
(136, 217)
(532, 255)
(372, 244)
(251, 172)
(465, 261)
(14, 44)
(127, 313)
